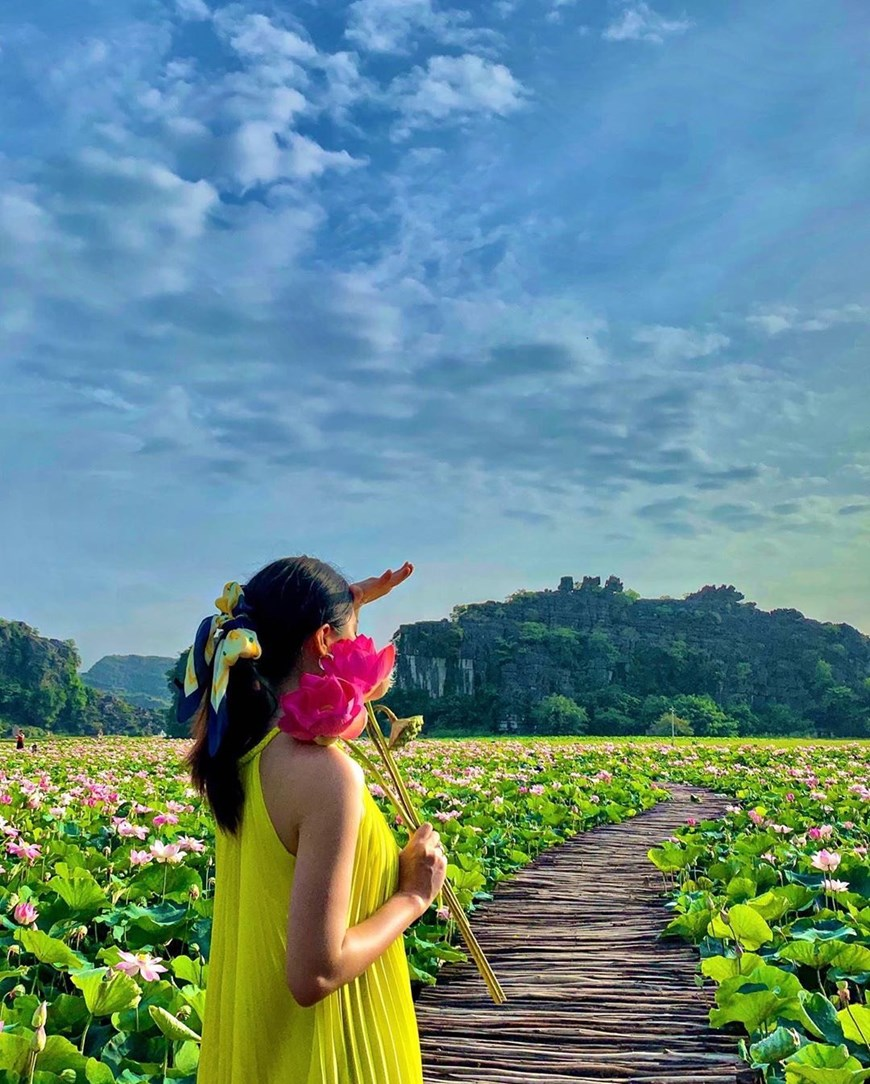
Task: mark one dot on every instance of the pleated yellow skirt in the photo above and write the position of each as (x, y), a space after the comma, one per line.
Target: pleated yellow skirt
(254, 1031)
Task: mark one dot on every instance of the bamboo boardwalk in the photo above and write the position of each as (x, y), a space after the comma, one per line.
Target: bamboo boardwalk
(591, 994)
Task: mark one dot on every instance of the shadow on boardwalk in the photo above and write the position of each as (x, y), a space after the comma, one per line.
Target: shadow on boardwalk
(591, 995)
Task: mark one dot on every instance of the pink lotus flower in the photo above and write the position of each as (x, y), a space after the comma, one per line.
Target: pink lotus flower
(691, 821)
(25, 913)
(323, 709)
(140, 831)
(359, 662)
(139, 858)
(167, 852)
(188, 843)
(826, 860)
(756, 818)
(834, 886)
(30, 851)
(164, 818)
(140, 963)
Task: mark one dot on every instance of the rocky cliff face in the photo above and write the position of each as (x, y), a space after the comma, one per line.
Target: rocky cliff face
(588, 636)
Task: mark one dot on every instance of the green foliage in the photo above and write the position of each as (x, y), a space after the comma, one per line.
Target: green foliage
(140, 679)
(558, 714)
(671, 724)
(42, 692)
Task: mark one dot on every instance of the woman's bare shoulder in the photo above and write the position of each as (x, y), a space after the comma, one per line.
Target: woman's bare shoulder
(304, 770)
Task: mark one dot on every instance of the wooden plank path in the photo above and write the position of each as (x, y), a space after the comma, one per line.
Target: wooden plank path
(591, 994)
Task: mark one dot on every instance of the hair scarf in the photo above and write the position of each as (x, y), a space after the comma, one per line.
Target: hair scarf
(221, 640)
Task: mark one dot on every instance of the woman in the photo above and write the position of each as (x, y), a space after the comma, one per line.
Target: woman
(308, 980)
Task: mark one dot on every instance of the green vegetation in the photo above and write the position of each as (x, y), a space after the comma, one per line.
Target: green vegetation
(711, 659)
(139, 679)
(42, 692)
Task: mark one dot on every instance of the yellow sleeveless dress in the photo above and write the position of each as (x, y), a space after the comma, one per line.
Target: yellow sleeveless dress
(254, 1031)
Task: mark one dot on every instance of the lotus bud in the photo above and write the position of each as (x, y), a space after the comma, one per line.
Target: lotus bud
(38, 1041)
(843, 994)
(68, 1076)
(194, 892)
(40, 1015)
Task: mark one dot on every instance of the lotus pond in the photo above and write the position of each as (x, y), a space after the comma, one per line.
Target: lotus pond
(107, 886)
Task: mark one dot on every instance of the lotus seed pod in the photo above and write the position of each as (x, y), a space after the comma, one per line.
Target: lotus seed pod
(40, 1015)
(194, 892)
(17, 991)
(13, 950)
(184, 1012)
(68, 1075)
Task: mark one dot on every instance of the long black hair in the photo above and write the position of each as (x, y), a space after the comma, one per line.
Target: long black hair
(289, 599)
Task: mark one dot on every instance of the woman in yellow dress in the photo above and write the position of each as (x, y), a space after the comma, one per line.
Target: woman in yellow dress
(308, 979)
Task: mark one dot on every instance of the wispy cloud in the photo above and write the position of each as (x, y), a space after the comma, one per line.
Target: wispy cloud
(425, 265)
(638, 22)
(452, 88)
(401, 26)
(775, 321)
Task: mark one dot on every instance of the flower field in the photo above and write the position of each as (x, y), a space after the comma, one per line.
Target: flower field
(107, 884)
(777, 897)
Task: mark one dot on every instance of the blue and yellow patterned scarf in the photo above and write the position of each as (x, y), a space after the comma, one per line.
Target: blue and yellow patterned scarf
(220, 641)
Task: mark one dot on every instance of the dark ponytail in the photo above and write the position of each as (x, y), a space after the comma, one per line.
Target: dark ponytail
(289, 600)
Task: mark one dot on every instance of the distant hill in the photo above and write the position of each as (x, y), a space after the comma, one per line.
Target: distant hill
(139, 679)
(599, 659)
(42, 691)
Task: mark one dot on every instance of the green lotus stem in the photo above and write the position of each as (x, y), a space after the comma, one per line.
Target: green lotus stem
(373, 768)
(409, 813)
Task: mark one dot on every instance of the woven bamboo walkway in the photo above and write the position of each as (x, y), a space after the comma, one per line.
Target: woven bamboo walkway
(591, 994)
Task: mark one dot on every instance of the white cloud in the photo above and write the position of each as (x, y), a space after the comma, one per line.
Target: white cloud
(639, 22)
(788, 318)
(261, 159)
(196, 10)
(455, 86)
(389, 26)
(258, 38)
(679, 343)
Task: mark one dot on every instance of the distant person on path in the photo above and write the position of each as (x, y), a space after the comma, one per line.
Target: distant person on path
(19, 740)
(33, 748)
(308, 976)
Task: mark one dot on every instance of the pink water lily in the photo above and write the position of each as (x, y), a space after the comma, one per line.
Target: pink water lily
(25, 913)
(167, 852)
(140, 963)
(359, 662)
(140, 831)
(188, 843)
(30, 851)
(325, 708)
(826, 860)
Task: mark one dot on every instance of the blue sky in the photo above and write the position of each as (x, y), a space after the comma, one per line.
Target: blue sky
(511, 290)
